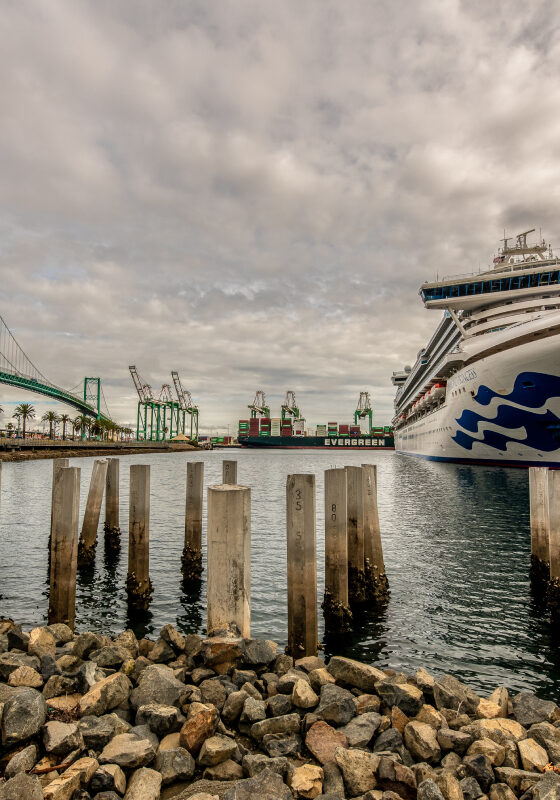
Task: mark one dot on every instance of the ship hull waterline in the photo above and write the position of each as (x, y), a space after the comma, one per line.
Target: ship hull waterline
(317, 442)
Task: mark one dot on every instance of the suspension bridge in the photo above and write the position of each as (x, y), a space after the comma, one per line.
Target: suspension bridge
(17, 369)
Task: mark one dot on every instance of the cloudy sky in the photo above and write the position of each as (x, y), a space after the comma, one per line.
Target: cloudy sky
(251, 192)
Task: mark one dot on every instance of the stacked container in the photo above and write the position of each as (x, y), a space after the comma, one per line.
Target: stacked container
(343, 430)
(355, 430)
(299, 427)
(243, 427)
(265, 426)
(333, 428)
(275, 424)
(321, 430)
(254, 426)
(377, 431)
(286, 429)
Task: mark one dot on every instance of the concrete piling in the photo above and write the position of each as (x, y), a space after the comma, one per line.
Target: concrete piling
(553, 593)
(377, 585)
(540, 523)
(229, 472)
(112, 526)
(191, 560)
(302, 566)
(138, 584)
(229, 561)
(88, 535)
(57, 465)
(337, 614)
(355, 536)
(64, 545)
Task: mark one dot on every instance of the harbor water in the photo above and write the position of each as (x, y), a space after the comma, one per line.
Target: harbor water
(457, 551)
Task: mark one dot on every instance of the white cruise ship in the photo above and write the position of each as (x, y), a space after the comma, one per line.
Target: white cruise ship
(486, 388)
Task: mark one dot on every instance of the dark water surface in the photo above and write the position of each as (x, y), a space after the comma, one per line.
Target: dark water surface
(457, 549)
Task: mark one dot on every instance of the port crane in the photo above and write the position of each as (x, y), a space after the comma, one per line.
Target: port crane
(289, 407)
(364, 410)
(259, 407)
(186, 406)
(159, 416)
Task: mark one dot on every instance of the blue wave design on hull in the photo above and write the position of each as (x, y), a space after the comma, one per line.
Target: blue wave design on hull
(530, 390)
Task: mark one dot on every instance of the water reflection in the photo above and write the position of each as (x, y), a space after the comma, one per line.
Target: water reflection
(456, 542)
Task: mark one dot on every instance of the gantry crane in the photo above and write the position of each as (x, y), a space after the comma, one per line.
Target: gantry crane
(364, 410)
(259, 407)
(289, 407)
(186, 406)
(152, 421)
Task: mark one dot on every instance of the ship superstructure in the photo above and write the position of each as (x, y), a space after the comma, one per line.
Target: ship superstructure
(486, 388)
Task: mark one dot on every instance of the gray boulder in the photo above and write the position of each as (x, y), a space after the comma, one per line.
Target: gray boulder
(403, 695)
(267, 785)
(360, 730)
(9, 662)
(22, 787)
(528, 709)
(428, 790)
(108, 778)
(548, 788)
(278, 745)
(22, 761)
(336, 705)
(160, 719)
(285, 725)
(157, 684)
(61, 738)
(259, 651)
(253, 763)
(23, 716)
(175, 765)
(451, 693)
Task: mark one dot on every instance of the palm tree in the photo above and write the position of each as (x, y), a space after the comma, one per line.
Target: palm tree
(81, 423)
(52, 418)
(65, 419)
(25, 411)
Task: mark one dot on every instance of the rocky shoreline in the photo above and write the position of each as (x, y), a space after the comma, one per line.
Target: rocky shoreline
(85, 716)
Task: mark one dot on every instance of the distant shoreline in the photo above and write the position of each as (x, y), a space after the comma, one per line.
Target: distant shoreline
(31, 450)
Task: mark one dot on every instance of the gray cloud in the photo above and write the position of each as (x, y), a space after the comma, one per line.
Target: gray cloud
(251, 193)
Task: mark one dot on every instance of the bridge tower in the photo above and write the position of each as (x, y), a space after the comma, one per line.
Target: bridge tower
(92, 393)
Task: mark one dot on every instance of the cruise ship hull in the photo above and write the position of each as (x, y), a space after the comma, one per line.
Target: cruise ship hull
(501, 409)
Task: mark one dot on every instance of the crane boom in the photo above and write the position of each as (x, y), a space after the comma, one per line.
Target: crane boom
(289, 407)
(183, 395)
(364, 409)
(259, 407)
(144, 389)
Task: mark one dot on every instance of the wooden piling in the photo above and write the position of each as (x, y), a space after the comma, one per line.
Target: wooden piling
(229, 472)
(138, 584)
(229, 561)
(191, 559)
(553, 593)
(112, 526)
(64, 547)
(540, 523)
(336, 611)
(302, 566)
(377, 585)
(88, 535)
(355, 536)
